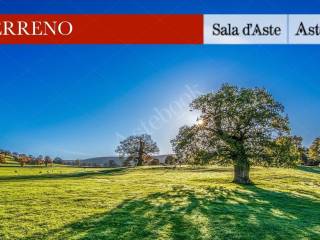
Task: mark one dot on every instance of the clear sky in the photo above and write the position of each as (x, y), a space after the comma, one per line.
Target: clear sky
(78, 101)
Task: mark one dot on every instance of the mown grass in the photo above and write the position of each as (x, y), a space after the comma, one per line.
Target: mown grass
(158, 203)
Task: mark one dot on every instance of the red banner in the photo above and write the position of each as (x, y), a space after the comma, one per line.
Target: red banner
(101, 29)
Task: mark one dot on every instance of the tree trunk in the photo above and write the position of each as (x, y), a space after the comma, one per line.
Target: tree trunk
(140, 160)
(241, 172)
(140, 153)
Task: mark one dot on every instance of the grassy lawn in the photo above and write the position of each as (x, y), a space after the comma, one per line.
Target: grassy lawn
(158, 203)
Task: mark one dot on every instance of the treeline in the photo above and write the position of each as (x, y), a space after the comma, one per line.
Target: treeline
(79, 163)
(285, 151)
(24, 159)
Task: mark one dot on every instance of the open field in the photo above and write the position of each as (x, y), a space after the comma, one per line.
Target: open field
(158, 203)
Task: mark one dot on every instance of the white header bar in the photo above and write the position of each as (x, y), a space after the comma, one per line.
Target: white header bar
(261, 29)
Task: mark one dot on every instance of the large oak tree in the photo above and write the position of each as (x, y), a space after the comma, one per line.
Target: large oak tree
(236, 125)
(137, 147)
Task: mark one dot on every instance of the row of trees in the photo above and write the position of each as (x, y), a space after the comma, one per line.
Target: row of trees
(24, 159)
(238, 126)
(284, 151)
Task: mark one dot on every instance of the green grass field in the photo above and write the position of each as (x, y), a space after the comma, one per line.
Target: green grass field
(158, 203)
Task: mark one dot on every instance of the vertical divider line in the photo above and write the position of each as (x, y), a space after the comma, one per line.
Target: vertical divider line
(288, 30)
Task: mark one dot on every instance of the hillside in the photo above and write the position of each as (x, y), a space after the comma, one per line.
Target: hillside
(10, 162)
(158, 203)
(105, 161)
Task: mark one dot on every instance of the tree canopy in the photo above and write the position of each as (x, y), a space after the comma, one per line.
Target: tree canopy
(286, 151)
(314, 150)
(137, 147)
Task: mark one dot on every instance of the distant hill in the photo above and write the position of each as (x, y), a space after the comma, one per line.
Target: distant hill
(108, 161)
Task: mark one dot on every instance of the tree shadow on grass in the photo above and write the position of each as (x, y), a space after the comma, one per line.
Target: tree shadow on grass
(114, 171)
(188, 169)
(310, 169)
(213, 213)
(217, 170)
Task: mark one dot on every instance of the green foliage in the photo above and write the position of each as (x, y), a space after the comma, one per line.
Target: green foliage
(158, 203)
(314, 151)
(47, 161)
(57, 160)
(185, 144)
(153, 162)
(137, 147)
(170, 160)
(286, 152)
(234, 122)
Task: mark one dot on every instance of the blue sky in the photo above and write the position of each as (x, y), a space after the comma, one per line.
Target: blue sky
(78, 101)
